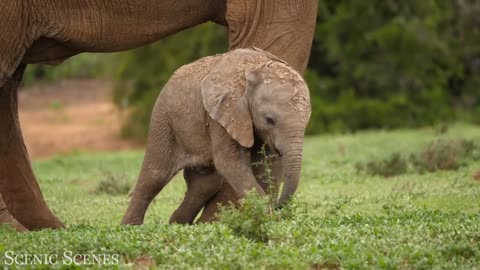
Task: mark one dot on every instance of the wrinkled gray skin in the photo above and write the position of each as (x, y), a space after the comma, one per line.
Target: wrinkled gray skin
(211, 119)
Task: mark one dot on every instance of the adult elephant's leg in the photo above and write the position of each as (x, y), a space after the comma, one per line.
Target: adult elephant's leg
(201, 186)
(18, 185)
(284, 28)
(7, 219)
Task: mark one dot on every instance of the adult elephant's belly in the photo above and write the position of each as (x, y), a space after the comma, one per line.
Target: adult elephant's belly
(111, 26)
(48, 51)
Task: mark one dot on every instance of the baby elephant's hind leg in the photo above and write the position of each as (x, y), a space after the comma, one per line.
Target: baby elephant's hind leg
(202, 184)
(159, 167)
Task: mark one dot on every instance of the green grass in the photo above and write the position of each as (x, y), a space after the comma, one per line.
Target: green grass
(345, 219)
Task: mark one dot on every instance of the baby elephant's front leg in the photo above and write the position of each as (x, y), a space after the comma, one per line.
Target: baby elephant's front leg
(233, 162)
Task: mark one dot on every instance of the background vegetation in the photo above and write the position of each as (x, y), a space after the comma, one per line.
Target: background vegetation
(374, 64)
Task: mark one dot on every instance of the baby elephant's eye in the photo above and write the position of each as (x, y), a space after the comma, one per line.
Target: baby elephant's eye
(270, 120)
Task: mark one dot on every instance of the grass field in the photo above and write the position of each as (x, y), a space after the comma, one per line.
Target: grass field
(344, 218)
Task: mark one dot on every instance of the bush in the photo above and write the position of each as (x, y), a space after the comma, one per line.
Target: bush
(255, 213)
(445, 155)
(394, 165)
(439, 155)
(253, 218)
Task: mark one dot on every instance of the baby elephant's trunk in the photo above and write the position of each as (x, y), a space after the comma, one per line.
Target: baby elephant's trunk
(292, 158)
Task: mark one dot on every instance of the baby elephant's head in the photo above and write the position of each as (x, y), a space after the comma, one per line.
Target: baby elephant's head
(279, 105)
(271, 103)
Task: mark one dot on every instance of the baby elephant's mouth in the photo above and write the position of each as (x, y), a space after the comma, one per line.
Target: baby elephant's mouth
(272, 150)
(277, 151)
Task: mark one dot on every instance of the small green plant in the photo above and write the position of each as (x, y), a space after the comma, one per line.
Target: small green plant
(335, 207)
(393, 165)
(113, 185)
(255, 215)
(267, 177)
(251, 219)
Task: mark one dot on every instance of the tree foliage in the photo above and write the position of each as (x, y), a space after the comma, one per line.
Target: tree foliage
(388, 64)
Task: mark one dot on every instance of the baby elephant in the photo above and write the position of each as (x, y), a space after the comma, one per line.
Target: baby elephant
(210, 120)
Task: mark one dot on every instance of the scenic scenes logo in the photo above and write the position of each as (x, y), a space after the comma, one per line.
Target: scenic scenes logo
(66, 258)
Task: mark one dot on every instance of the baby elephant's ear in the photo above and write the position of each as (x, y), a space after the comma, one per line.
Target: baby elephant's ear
(224, 98)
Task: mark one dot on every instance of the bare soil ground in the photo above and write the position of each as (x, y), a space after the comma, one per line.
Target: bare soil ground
(68, 116)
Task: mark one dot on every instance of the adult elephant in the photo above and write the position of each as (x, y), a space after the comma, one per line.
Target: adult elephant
(50, 31)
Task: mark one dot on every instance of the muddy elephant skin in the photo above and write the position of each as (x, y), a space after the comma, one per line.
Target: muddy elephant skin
(209, 117)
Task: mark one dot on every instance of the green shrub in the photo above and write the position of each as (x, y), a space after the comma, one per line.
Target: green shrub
(394, 165)
(444, 155)
(249, 219)
(390, 64)
(439, 155)
(255, 215)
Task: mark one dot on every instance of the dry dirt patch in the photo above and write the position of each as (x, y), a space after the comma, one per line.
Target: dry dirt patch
(69, 116)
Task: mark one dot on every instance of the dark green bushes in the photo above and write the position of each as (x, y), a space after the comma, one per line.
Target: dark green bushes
(389, 64)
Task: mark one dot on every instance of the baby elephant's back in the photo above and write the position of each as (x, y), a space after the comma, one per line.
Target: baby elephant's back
(189, 76)
(183, 88)
(181, 99)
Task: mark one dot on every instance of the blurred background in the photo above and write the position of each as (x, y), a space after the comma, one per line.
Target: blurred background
(378, 64)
